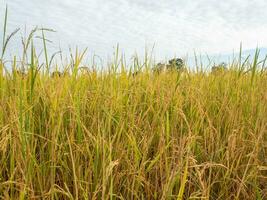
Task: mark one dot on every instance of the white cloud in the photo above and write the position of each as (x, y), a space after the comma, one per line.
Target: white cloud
(176, 27)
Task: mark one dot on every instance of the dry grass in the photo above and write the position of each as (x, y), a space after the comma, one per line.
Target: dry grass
(101, 135)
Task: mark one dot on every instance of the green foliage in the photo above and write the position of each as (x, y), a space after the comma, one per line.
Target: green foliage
(176, 64)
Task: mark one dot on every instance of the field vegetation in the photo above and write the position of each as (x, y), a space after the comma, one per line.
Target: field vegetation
(81, 132)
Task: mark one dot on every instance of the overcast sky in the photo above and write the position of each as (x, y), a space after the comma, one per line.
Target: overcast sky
(176, 27)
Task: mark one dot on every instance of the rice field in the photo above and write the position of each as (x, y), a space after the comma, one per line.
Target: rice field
(106, 134)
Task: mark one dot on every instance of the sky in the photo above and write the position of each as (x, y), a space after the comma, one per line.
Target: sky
(172, 27)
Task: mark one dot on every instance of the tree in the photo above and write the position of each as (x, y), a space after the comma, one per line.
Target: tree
(176, 64)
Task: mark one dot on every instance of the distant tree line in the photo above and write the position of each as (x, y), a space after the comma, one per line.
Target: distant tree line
(175, 64)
